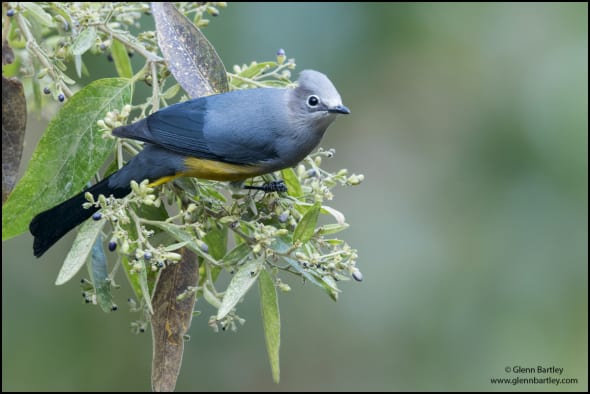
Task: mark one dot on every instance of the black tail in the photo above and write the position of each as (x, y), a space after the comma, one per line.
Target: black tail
(49, 226)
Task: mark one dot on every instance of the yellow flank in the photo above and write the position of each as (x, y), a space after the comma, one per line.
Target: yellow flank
(215, 170)
(219, 171)
(161, 181)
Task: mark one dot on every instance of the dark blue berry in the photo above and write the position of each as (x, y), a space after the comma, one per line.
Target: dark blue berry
(61, 97)
(112, 246)
(357, 275)
(46, 90)
(281, 52)
(97, 216)
(10, 12)
(147, 255)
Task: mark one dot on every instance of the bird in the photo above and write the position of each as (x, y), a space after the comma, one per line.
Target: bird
(229, 136)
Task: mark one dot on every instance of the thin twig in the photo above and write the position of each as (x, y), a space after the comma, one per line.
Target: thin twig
(39, 54)
(150, 57)
(155, 88)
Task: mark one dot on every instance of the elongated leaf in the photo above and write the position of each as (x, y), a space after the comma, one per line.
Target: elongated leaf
(255, 69)
(331, 287)
(210, 297)
(271, 320)
(237, 254)
(14, 122)
(36, 11)
(142, 277)
(191, 58)
(84, 41)
(332, 228)
(216, 240)
(78, 65)
(339, 216)
(182, 236)
(292, 183)
(100, 276)
(239, 286)
(121, 59)
(210, 192)
(172, 319)
(306, 227)
(81, 248)
(70, 152)
(233, 257)
(132, 277)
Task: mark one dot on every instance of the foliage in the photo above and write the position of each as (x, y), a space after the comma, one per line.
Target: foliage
(255, 237)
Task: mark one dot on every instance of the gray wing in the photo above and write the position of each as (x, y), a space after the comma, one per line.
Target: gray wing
(238, 127)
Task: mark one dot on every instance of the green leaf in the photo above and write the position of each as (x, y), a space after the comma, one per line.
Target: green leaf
(239, 286)
(175, 246)
(236, 255)
(339, 216)
(271, 320)
(331, 287)
(81, 248)
(34, 9)
(216, 240)
(78, 65)
(210, 192)
(306, 226)
(142, 277)
(70, 152)
(181, 235)
(133, 278)
(332, 228)
(190, 56)
(210, 297)
(292, 182)
(100, 276)
(256, 69)
(121, 59)
(84, 41)
(37, 103)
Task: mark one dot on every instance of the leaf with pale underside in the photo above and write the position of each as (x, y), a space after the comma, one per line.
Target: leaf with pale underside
(191, 58)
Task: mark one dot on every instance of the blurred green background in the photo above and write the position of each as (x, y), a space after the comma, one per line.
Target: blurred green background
(470, 123)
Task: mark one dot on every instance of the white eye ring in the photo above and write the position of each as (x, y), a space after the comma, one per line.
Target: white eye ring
(313, 101)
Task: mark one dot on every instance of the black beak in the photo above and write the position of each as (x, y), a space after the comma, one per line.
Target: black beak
(339, 109)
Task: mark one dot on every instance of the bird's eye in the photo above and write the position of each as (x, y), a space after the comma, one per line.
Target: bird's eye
(313, 101)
